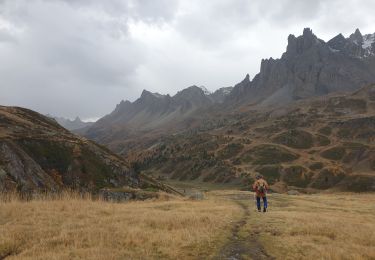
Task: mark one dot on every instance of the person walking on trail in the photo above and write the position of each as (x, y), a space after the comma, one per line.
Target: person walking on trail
(260, 187)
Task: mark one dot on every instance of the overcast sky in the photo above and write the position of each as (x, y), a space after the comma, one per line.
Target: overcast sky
(82, 57)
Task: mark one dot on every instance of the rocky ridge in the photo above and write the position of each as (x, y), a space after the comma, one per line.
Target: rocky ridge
(310, 67)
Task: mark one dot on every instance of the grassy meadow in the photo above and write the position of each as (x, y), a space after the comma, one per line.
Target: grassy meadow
(320, 226)
(72, 227)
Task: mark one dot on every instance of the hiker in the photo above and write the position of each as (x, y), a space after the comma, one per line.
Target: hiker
(260, 187)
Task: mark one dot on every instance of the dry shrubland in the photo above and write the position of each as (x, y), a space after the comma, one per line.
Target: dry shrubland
(71, 226)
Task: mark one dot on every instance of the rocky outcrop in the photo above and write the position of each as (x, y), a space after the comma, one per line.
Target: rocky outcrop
(219, 95)
(310, 67)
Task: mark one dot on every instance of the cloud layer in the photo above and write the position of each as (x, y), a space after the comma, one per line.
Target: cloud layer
(81, 57)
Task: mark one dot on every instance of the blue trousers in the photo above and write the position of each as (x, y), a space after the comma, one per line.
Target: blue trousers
(264, 202)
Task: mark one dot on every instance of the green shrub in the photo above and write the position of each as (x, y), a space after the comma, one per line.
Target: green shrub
(295, 138)
(328, 177)
(325, 130)
(49, 154)
(322, 140)
(344, 133)
(296, 175)
(270, 172)
(269, 154)
(230, 150)
(316, 166)
(334, 153)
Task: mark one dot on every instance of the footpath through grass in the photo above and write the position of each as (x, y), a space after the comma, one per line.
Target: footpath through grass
(322, 226)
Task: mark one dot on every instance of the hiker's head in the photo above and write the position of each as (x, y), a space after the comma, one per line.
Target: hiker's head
(259, 176)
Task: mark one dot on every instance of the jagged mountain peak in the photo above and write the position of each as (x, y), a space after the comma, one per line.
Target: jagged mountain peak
(338, 42)
(356, 45)
(69, 124)
(307, 32)
(205, 90)
(300, 44)
(310, 67)
(122, 106)
(192, 90)
(146, 93)
(124, 102)
(77, 119)
(356, 37)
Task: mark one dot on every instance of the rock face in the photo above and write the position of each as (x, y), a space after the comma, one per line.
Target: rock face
(310, 67)
(219, 95)
(38, 154)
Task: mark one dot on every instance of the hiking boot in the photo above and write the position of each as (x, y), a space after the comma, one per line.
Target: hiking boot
(259, 210)
(265, 210)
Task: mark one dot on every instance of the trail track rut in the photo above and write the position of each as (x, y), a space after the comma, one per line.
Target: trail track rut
(242, 246)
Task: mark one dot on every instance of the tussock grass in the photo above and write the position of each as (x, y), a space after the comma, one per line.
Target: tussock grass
(324, 226)
(72, 226)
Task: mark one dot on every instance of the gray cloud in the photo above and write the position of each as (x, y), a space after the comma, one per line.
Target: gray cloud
(81, 57)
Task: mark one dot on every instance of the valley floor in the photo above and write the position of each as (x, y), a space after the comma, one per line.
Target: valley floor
(224, 225)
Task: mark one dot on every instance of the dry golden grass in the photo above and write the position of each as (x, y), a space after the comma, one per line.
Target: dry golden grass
(71, 227)
(324, 226)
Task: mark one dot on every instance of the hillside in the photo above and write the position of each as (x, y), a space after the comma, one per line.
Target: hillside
(38, 154)
(314, 144)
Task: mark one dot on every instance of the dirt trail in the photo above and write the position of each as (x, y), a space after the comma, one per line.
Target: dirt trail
(242, 246)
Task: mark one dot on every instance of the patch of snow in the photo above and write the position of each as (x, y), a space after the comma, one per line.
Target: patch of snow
(157, 95)
(90, 119)
(368, 39)
(333, 50)
(226, 91)
(205, 90)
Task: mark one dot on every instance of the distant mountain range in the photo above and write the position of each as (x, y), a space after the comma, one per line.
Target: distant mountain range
(71, 125)
(309, 67)
(154, 111)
